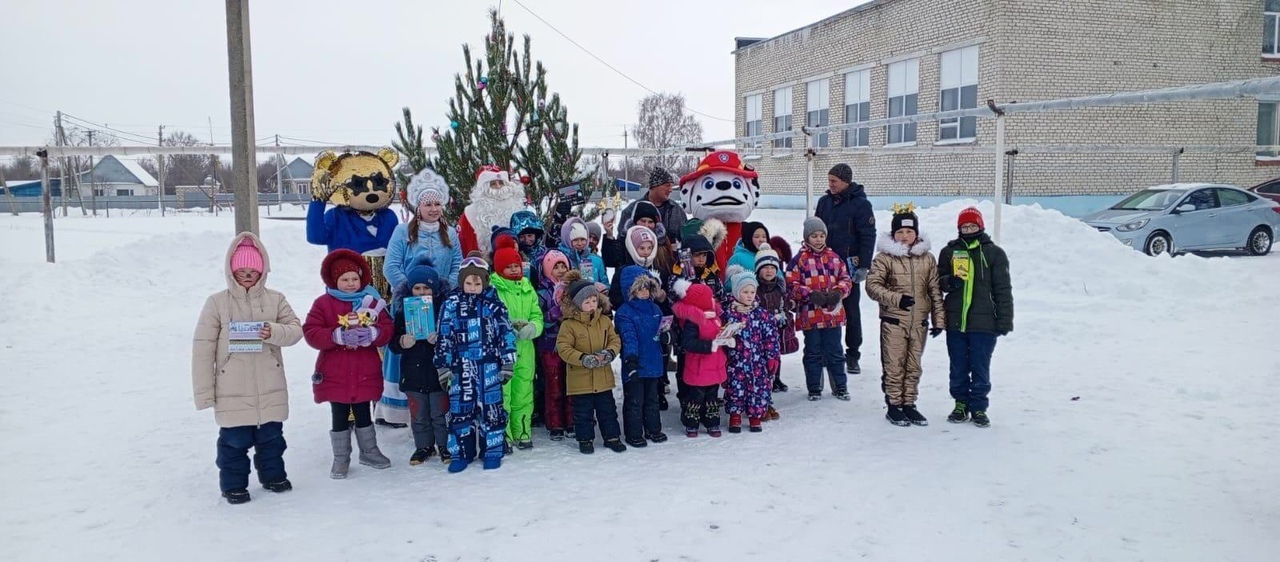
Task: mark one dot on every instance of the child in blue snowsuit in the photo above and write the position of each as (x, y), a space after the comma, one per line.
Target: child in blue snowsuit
(475, 355)
(638, 321)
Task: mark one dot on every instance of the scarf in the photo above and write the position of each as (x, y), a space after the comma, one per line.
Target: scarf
(739, 307)
(355, 298)
(429, 226)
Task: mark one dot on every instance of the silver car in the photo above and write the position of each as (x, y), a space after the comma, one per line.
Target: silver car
(1189, 217)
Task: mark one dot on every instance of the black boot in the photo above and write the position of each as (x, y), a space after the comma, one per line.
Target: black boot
(637, 442)
(586, 447)
(960, 414)
(896, 416)
(557, 435)
(278, 487)
(236, 497)
(615, 445)
(914, 416)
(779, 386)
(421, 455)
(980, 419)
(658, 437)
(851, 366)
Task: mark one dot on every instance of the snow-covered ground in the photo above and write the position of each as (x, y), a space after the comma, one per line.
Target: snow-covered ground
(1167, 454)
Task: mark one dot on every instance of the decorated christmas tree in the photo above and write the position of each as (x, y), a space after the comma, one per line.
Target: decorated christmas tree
(501, 114)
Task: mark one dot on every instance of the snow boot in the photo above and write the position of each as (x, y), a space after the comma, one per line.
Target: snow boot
(842, 394)
(236, 497)
(960, 414)
(755, 425)
(492, 464)
(851, 366)
(815, 396)
(445, 455)
(458, 465)
(524, 445)
(637, 443)
(341, 441)
(772, 415)
(691, 432)
(980, 419)
(714, 432)
(586, 447)
(896, 416)
(279, 487)
(506, 447)
(391, 425)
(557, 435)
(421, 455)
(914, 416)
(615, 445)
(779, 386)
(367, 440)
(658, 437)
(735, 423)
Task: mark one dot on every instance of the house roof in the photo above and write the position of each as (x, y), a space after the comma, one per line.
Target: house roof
(297, 170)
(115, 170)
(752, 41)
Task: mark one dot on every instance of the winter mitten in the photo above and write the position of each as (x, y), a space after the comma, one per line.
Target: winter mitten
(630, 368)
(446, 378)
(731, 343)
(508, 371)
(860, 275)
(343, 336)
(818, 299)
(365, 335)
(609, 356)
(906, 302)
(527, 331)
(934, 332)
(590, 361)
(431, 338)
(407, 341)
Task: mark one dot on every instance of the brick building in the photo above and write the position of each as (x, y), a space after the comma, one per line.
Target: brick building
(891, 57)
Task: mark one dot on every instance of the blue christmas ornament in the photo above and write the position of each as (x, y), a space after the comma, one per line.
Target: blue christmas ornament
(453, 124)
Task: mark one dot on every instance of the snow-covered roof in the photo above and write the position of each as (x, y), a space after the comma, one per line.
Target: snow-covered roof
(144, 177)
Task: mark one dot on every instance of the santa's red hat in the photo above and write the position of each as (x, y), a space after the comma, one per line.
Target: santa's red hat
(720, 161)
(490, 172)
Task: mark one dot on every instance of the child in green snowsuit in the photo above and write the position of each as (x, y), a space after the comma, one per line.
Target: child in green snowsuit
(521, 301)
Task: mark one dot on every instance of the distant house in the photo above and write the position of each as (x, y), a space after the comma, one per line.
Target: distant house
(33, 188)
(113, 176)
(294, 178)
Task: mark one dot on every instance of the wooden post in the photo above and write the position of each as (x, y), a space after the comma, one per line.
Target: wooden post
(47, 205)
(244, 157)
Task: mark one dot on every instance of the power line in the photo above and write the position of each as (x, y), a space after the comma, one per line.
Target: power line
(611, 67)
(134, 136)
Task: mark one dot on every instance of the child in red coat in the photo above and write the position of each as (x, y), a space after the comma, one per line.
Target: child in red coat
(704, 360)
(348, 325)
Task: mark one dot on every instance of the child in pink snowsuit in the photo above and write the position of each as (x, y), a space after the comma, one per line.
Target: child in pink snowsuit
(755, 356)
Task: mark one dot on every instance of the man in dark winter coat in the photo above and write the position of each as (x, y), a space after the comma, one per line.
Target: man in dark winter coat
(851, 232)
(974, 274)
(673, 217)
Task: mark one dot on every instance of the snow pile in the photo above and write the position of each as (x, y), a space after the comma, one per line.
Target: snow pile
(1162, 455)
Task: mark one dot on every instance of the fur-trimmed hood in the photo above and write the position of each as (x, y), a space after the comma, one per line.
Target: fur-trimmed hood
(569, 308)
(888, 245)
(714, 231)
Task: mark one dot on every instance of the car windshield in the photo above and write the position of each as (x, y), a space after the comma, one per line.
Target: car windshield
(1149, 200)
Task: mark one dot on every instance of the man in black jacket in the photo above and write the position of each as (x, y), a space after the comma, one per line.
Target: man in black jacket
(974, 273)
(660, 186)
(851, 232)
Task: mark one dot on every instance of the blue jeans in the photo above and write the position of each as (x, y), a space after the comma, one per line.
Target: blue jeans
(268, 445)
(970, 354)
(823, 347)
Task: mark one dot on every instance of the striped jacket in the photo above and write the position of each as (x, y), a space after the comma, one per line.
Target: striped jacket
(817, 271)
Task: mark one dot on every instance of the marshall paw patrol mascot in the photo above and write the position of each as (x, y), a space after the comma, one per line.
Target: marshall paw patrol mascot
(724, 189)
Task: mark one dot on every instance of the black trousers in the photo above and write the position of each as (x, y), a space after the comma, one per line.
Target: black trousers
(640, 415)
(853, 324)
(342, 413)
(701, 405)
(590, 409)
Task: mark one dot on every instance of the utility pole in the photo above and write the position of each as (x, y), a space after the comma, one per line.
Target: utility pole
(93, 182)
(46, 203)
(244, 158)
(626, 169)
(61, 139)
(279, 178)
(160, 158)
(13, 205)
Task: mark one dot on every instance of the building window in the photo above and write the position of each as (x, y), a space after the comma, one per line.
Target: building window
(857, 107)
(1271, 29)
(754, 120)
(959, 90)
(1267, 130)
(818, 100)
(782, 116)
(124, 192)
(904, 94)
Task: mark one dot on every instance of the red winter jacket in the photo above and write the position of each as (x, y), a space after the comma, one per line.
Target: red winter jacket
(348, 376)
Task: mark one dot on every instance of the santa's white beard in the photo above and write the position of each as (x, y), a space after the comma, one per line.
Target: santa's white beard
(490, 207)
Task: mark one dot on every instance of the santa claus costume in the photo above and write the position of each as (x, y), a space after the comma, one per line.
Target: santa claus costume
(494, 199)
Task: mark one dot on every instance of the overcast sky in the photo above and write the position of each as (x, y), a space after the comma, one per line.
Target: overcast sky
(339, 71)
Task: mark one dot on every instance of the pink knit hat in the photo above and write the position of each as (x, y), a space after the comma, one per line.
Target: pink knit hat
(246, 256)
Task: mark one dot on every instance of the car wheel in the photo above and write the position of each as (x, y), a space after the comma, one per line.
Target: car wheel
(1159, 243)
(1259, 243)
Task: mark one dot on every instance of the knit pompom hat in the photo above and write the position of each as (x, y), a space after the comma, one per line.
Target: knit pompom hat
(582, 290)
(246, 256)
(549, 261)
(812, 225)
(768, 257)
(505, 257)
(740, 279)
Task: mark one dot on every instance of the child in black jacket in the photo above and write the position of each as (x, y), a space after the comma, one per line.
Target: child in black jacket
(419, 379)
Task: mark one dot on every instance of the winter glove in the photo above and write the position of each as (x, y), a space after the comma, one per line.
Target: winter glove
(431, 338)
(934, 332)
(590, 361)
(526, 331)
(446, 378)
(630, 368)
(343, 336)
(407, 341)
(724, 342)
(608, 356)
(508, 371)
(365, 335)
(860, 274)
(818, 299)
(906, 302)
